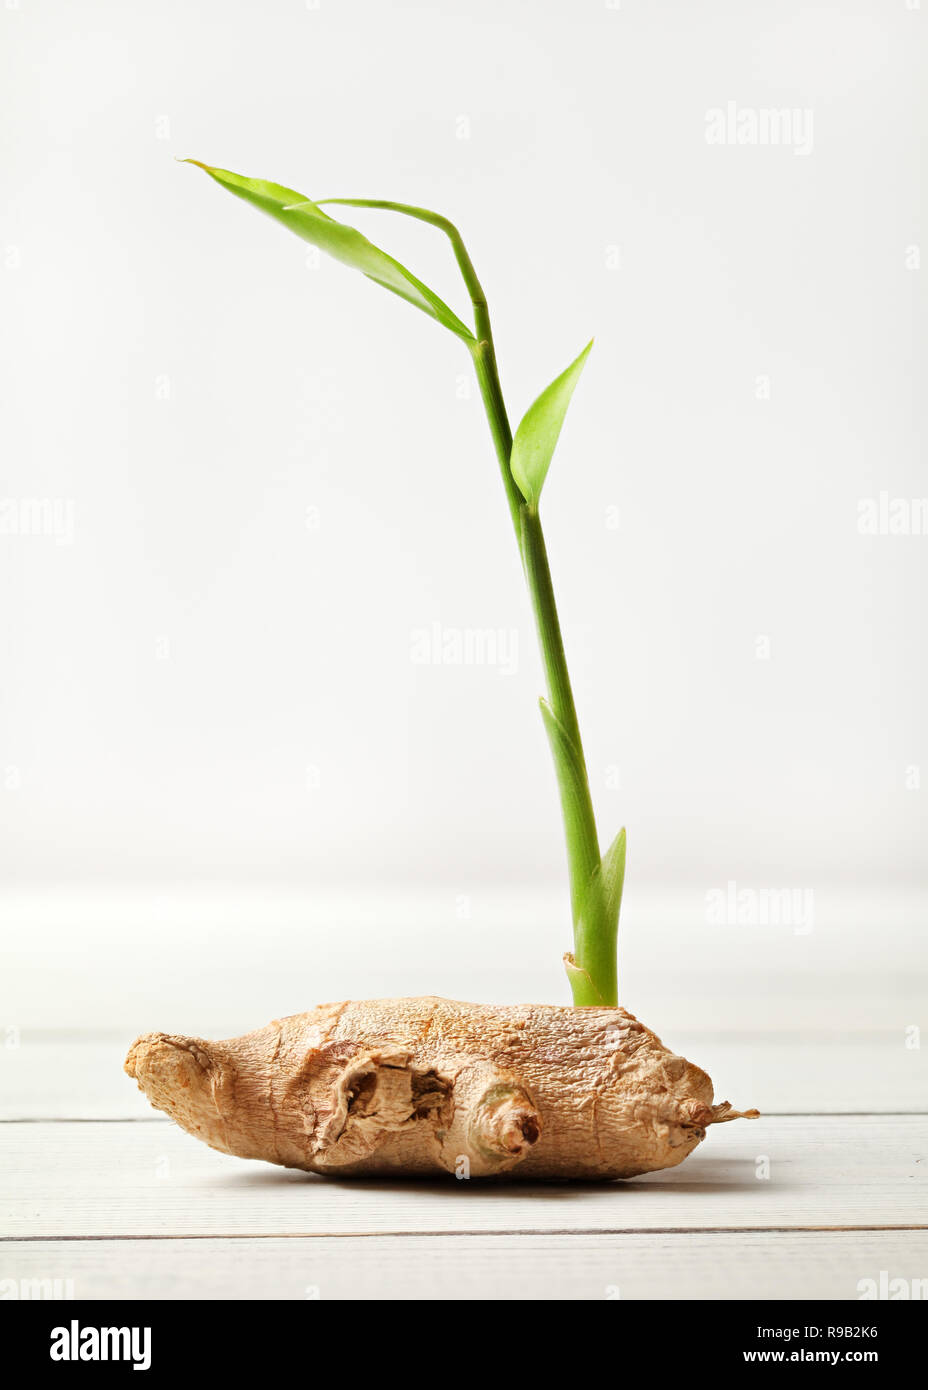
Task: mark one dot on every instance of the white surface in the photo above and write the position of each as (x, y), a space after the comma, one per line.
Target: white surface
(202, 684)
(114, 1205)
(124, 1179)
(222, 959)
(656, 1265)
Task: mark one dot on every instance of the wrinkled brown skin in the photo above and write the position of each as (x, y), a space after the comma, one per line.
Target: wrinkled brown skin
(414, 1087)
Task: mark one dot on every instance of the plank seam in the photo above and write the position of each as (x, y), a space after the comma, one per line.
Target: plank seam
(515, 1231)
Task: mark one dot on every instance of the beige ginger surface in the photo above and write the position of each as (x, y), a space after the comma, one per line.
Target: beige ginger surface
(425, 1086)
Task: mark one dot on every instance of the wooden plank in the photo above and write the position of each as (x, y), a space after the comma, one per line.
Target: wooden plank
(80, 1077)
(725, 1265)
(151, 1179)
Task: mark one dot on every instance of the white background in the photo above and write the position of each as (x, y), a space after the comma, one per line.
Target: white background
(227, 789)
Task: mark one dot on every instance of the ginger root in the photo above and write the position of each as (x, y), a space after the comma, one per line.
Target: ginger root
(424, 1086)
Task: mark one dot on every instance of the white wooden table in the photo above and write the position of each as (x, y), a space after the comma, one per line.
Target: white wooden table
(827, 1189)
(794, 1205)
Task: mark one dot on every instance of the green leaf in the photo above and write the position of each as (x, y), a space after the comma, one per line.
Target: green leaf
(537, 435)
(602, 900)
(596, 930)
(434, 219)
(346, 244)
(612, 879)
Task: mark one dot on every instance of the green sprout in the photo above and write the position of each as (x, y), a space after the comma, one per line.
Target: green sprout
(595, 880)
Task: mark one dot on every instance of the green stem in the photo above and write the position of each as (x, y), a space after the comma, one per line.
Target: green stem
(538, 573)
(592, 972)
(482, 350)
(495, 408)
(593, 980)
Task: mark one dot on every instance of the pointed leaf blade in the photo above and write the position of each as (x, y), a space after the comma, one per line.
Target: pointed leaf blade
(597, 929)
(537, 435)
(344, 243)
(602, 898)
(612, 878)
